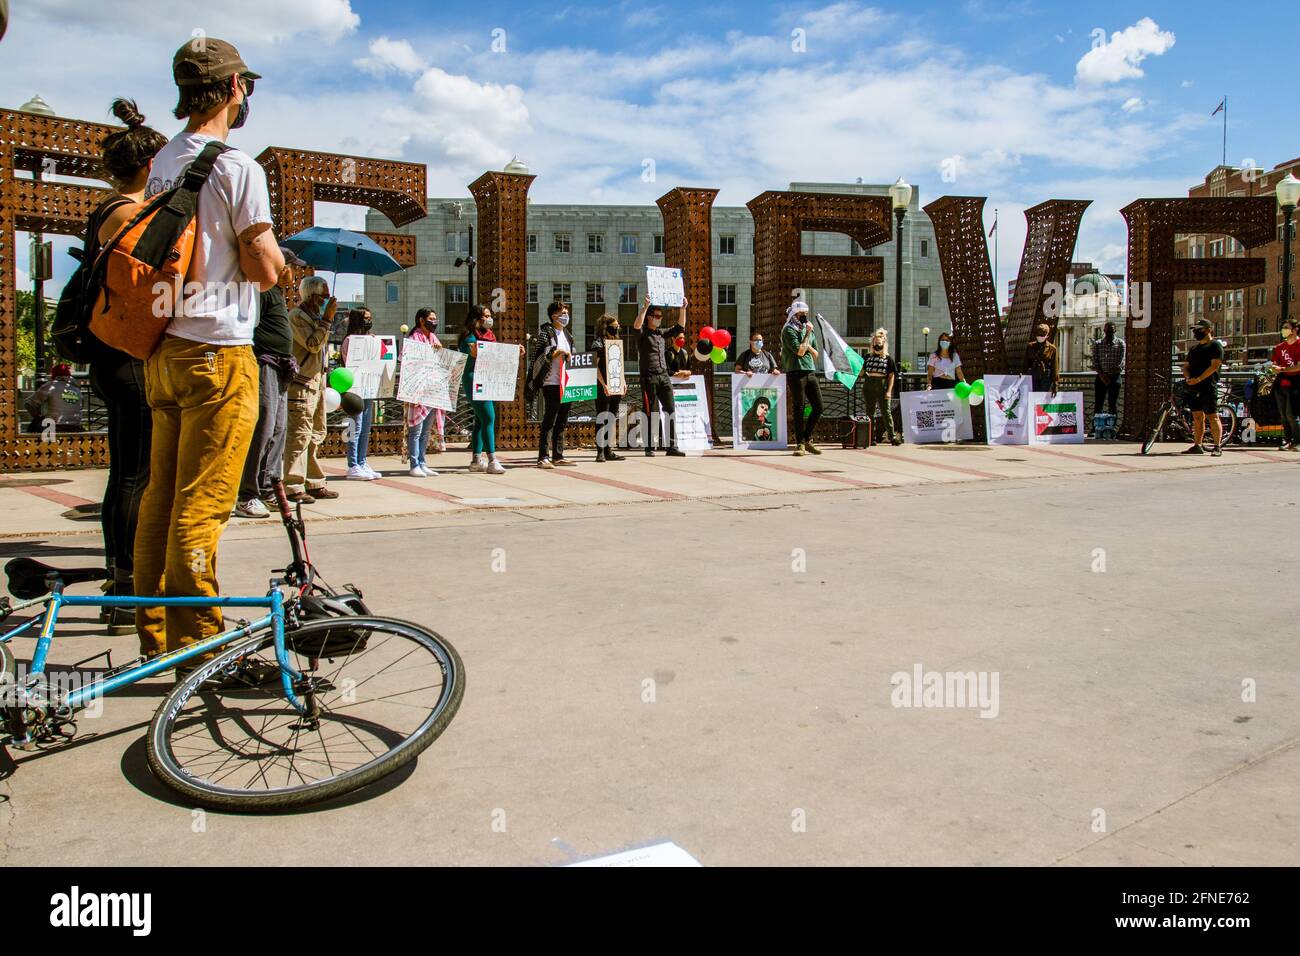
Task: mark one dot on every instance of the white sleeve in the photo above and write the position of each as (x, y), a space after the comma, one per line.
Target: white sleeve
(250, 199)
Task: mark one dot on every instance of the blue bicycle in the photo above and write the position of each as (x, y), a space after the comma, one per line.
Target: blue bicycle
(315, 698)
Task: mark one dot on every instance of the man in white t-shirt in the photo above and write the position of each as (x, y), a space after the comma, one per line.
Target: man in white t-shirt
(202, 381)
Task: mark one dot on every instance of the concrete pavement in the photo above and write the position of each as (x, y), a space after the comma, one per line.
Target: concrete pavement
(720, 669)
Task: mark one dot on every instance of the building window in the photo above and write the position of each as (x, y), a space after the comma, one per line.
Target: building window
(1259, 326)
(531, 294)
(627, 245)
(627, 293)
(659, 244)
(923, 296)
(925, 248)
(595, 293)
(532, 242)
(858, 297)
(390, 291)
(1261, 296)
(726, 295)
(855, 249)
(563, 243)
(595, 242)
(1178, 308)
(458, 242)
(562, 292)
(457, 294)
(726, 245)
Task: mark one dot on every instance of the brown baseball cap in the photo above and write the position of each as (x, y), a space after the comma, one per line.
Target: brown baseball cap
(206, 59)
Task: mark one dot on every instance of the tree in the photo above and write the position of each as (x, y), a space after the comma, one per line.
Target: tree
(25, 332)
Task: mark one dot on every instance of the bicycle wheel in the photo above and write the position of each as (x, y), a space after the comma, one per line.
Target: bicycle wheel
(1228, 418)
(1155, 431)
(244, 747)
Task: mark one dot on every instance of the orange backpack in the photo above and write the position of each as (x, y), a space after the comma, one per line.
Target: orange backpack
(141, 271)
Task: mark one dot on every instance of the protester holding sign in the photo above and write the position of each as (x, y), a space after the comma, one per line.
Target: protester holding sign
(607, 405)
(656, 384)
(799, 360)
(360, 324)
(943, 370)
(554, 346)
(483, 434)
(754, 359)
(1042, 362)
(420, 419)
(880, 373)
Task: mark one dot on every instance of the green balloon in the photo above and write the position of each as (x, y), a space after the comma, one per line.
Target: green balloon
(341, 380)
(977, 386)
(807, 411)
(718, 355)
(962, 389)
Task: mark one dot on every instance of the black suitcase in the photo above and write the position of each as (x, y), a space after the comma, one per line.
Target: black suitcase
(856, 431)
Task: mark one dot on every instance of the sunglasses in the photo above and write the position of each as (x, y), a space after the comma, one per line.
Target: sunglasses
(247, 83)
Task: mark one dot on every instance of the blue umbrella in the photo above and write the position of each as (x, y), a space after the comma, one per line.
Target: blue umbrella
(341, 250)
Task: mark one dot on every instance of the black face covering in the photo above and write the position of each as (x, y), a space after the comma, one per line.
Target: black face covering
(242, 116)
(1200, 334)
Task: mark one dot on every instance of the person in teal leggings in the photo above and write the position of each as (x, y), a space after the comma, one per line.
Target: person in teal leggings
(483, 434)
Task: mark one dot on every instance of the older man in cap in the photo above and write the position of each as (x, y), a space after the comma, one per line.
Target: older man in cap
(202, 380)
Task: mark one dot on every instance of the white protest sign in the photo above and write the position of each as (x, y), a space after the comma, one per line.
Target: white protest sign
(690, 414)
(373, 362)
(1006, 409)
(937, 415)
(430, 377)
(665, 286)
(496, 372)
(1057, 418)
(758, 411)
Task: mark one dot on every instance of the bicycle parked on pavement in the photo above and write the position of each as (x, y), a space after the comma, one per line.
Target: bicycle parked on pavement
(1173, 421)
(315, 698)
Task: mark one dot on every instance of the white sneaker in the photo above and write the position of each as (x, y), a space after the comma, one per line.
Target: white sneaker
(428, 472)
(477, 465)
(358, 473)
(417, 472)
(253, 508)
(370, 471)
(496, 468)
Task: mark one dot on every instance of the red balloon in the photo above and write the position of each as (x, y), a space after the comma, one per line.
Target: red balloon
(707, 333)
(721, 338)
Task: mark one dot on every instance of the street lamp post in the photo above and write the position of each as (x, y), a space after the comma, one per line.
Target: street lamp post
(468, 260)
(39, 260)
(900, 194)
(1288, 194)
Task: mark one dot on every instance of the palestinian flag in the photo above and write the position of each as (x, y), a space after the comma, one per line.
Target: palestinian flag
(1059, 418)
(839, 362)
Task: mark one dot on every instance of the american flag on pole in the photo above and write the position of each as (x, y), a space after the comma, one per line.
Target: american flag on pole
(994, 229)
(1219, 109)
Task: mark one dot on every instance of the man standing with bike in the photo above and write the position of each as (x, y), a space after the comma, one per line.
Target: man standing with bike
(1201, 376)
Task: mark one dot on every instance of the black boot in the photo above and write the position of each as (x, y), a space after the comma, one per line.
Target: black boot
(600, 454)
(612, 456)
(120, 620)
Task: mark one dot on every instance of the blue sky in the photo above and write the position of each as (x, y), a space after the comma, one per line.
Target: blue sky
(1019, 101)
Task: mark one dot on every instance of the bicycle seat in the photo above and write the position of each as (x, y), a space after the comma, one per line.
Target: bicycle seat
(28, 578)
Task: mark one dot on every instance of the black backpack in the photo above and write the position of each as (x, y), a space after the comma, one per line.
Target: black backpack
(70, 332)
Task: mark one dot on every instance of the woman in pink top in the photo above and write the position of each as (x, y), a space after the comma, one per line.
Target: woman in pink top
(420, 419)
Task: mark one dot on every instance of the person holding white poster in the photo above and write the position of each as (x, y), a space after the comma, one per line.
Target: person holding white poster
(943, 370)
(656, 383)
(421, 419)
(665, 287)
(608, 347)
(358, 433)
(483, 433)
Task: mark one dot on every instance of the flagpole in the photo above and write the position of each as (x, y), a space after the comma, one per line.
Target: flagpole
(996, 290)
(1225, 129)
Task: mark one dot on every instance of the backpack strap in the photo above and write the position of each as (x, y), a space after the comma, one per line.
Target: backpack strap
(198, 172)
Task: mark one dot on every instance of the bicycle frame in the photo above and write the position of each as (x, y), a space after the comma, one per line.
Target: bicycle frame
(273, 601)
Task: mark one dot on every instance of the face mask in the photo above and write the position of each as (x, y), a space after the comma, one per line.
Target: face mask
(242, 116)
(944, 345)
(1110, 334)
(758, 344)
(563, 319)
(486, 323)
(1200, 333)
(612, 332)
(877, 347)
(367, 325)
(680, 343)
(1040, 338)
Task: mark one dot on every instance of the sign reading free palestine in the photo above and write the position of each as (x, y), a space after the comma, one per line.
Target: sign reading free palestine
(580, 378)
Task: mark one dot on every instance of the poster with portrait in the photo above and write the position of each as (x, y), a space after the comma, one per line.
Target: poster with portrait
(496, 372)
(1057, 418)
(1006, 409)
(758, 417)
(615, 369)
(373, 362)
(937, 415)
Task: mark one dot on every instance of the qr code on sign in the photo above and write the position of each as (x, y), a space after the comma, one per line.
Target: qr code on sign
(924, 419)
(1066, 420)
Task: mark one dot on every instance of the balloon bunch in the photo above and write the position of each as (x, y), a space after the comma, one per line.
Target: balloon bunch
(337, 395)
(712, 346)
(970, 391)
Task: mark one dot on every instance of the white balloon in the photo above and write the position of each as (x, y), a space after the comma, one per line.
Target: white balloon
(332, 400)
(976, 398)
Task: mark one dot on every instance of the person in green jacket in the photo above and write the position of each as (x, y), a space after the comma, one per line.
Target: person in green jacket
(799, 361)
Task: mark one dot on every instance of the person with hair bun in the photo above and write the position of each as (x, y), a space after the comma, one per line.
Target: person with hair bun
(126, 157)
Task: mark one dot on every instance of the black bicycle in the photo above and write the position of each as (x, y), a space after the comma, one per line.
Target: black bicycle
(1174, 419)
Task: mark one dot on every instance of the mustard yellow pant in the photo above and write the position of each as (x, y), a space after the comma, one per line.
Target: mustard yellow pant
(204, 401)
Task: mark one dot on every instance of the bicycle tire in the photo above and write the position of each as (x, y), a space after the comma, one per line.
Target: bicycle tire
(161, 738)
(1229, 426)
(1155, 431)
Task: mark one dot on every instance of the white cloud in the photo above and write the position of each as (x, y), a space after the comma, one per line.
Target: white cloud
(251, 22)
(1133, 104)
(397, 56)
(1187, 83)
(1120, 59)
